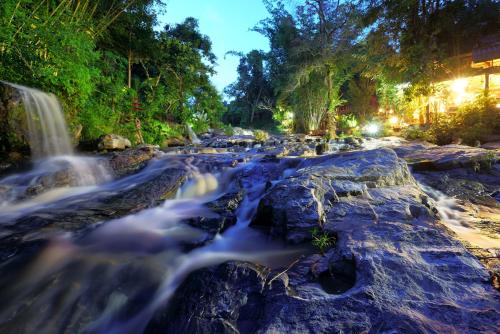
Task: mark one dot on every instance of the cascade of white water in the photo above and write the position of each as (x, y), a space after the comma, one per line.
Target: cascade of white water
(459, 221)
(192, 136)
(51, 150)
(47, 130)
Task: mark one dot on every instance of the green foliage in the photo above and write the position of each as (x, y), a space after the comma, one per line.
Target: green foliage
(253, 97)
(416, 133)
(285, 118)
(227, 129)
(471, 123)
(109, 67)
(347, 122)
(261, 135)
(322, 240)
(51, 47)
(157, 132)
(310, 58)
(488, 160)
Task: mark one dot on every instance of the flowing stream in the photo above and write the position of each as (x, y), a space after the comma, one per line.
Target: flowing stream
(121, 271)
(459, 220)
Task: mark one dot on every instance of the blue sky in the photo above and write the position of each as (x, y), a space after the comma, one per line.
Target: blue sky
(227, 23)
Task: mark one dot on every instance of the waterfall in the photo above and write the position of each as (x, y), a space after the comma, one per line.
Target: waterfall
(192, 136)
(47, 130)
(52, 152)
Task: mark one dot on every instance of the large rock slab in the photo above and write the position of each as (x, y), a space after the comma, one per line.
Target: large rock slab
(299, 203)
(451, 156)
(394, 268)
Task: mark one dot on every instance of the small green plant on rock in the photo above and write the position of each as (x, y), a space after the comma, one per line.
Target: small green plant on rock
(322, 240)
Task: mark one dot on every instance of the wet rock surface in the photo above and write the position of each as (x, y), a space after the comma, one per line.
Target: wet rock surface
(132, 160)
(471, 176)
(393, 267)
(112, 142)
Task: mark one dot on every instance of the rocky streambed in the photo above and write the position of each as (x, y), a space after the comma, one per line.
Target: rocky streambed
(288, 235)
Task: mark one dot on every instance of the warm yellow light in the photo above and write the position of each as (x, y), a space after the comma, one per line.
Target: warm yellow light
(380, 110)
(393, 120)
(498, 105)
(459, 85)
(442, 108)
(391, 111)
(416, 114)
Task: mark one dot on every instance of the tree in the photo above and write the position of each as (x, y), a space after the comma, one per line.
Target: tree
(252, 92)
(311, 48)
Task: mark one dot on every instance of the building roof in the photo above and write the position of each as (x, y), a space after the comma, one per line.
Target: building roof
(487, 49)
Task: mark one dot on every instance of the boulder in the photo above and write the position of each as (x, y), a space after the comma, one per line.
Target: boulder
(111, 142)
(232, 301)
(294, 206)
(449, 157)
(131, 160)
(175, 142)
(493, 145)
(12, 120)
(393, 269)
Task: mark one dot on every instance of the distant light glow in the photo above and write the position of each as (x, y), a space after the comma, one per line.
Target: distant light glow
(391, 111)
(381, 110)
(458, 87)
(416, 114)
(371, 128)
(442, 108)
(394, 120)
(498, 105)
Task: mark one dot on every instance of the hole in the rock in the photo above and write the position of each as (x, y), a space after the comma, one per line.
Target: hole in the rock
(340, 277)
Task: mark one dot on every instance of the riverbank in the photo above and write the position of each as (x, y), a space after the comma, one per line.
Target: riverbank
(219, 237)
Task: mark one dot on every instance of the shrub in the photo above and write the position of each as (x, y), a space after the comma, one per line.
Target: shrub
(486, 162)
(417, 133)
(261, 135)
(228, 130)
(347, 122)
(472, 122)
(155, 132)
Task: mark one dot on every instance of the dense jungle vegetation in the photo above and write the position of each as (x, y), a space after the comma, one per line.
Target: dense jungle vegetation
(113, 66)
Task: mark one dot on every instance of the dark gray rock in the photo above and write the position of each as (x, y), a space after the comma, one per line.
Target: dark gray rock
(451, 156)
(131, 160)
(393, 269)
(299, 203)
(112, 142)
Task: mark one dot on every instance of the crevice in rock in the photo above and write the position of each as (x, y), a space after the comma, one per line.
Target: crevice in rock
(339, 278)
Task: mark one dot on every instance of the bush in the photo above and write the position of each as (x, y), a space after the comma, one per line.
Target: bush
(261, 135)
(228, 130)
(347, 122)
(471, 123)
(417, 133)
(156, 132)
